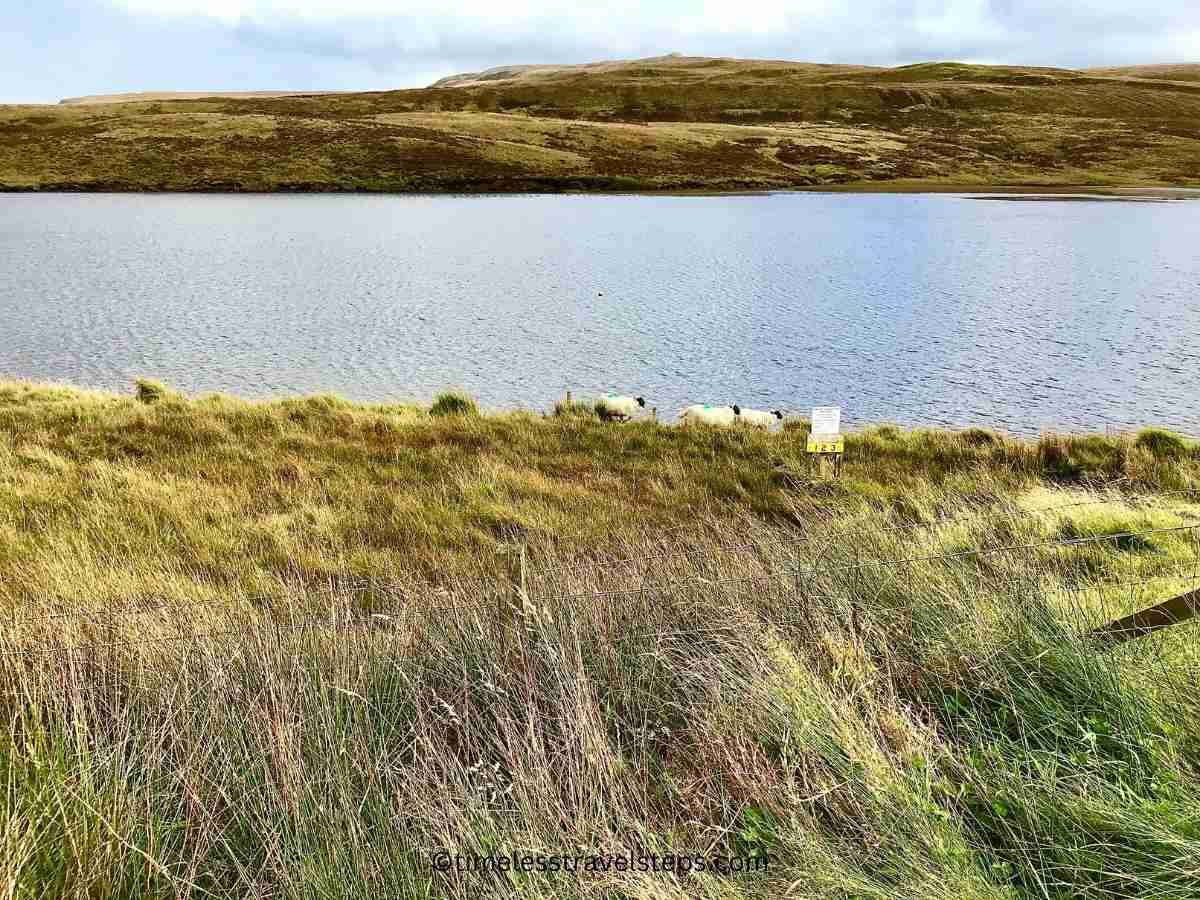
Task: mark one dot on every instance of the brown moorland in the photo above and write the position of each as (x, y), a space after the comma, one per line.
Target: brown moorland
(666, 123)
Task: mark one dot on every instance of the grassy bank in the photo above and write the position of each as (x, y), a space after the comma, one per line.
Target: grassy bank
(659, 124)
(312, 641)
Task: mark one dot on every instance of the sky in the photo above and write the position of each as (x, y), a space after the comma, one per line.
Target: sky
(59, 48)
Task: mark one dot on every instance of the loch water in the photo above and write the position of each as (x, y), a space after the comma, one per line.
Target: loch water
(914, 308)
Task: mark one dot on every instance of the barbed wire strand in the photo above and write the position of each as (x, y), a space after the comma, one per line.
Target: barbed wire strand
(375, 584)
(224, 604)
(935, 523)
(330, 616)
(960, 554)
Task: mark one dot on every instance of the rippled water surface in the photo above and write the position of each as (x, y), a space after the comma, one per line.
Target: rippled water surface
(913, 308)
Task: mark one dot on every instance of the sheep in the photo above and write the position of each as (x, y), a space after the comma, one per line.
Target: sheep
(703, 414)
(618, 406)
(759, 418)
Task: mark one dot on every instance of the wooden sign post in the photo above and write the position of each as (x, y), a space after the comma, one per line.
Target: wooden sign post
(825, 441)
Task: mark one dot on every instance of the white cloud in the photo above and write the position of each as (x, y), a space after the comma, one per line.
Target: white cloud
(57, 48)
(474, 11)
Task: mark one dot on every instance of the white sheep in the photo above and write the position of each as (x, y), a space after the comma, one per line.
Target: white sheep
(703, 414)
(618, 406)
(759, 418)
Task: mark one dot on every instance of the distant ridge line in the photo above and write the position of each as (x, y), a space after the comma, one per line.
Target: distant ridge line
(150, 96)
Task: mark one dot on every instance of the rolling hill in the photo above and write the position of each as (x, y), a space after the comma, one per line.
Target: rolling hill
(1178, 72)
(187, 95)
(665, 123)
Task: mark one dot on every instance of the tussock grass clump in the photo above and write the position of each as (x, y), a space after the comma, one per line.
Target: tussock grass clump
(149, 391)
(1162, 444)
(1121, 531)
(574, 409)
(453, 403)
(1082, 458)
(980, 437)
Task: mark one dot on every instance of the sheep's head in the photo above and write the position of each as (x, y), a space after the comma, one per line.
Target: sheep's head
(641, 401)
(737, 410)
(777, 414)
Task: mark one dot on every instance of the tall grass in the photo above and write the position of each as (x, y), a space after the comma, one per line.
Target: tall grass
(932, 730)
(732, 662)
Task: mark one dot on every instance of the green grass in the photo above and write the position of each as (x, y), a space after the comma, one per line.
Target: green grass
(665, 124)
(1163, 444)
(453, 404)
(500, 632)
(149, 391)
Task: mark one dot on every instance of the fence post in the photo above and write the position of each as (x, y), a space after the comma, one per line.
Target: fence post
(1169, 612)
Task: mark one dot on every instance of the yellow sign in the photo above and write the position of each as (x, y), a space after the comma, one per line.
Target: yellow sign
(826, 445)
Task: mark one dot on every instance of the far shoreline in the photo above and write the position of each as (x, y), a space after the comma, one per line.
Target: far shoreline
(1031, 192)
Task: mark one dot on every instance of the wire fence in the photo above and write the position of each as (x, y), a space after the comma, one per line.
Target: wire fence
(831, 532)
(346, 585)
(341, 615)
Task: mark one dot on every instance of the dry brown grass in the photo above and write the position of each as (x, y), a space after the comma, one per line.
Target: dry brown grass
(149, 96)
(164, 496)
(664, 124)
(289, 650)
(1166, 72)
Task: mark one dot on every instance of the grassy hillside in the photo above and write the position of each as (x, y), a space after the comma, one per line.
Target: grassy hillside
(1167, 72)
(146, 96)
(289, 649)
(663, 123)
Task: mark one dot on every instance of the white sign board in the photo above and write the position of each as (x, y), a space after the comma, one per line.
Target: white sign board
(826, 420)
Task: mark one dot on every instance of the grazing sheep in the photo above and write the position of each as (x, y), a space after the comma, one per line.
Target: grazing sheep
(759, 418)
(618, 406)
(703, 414)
